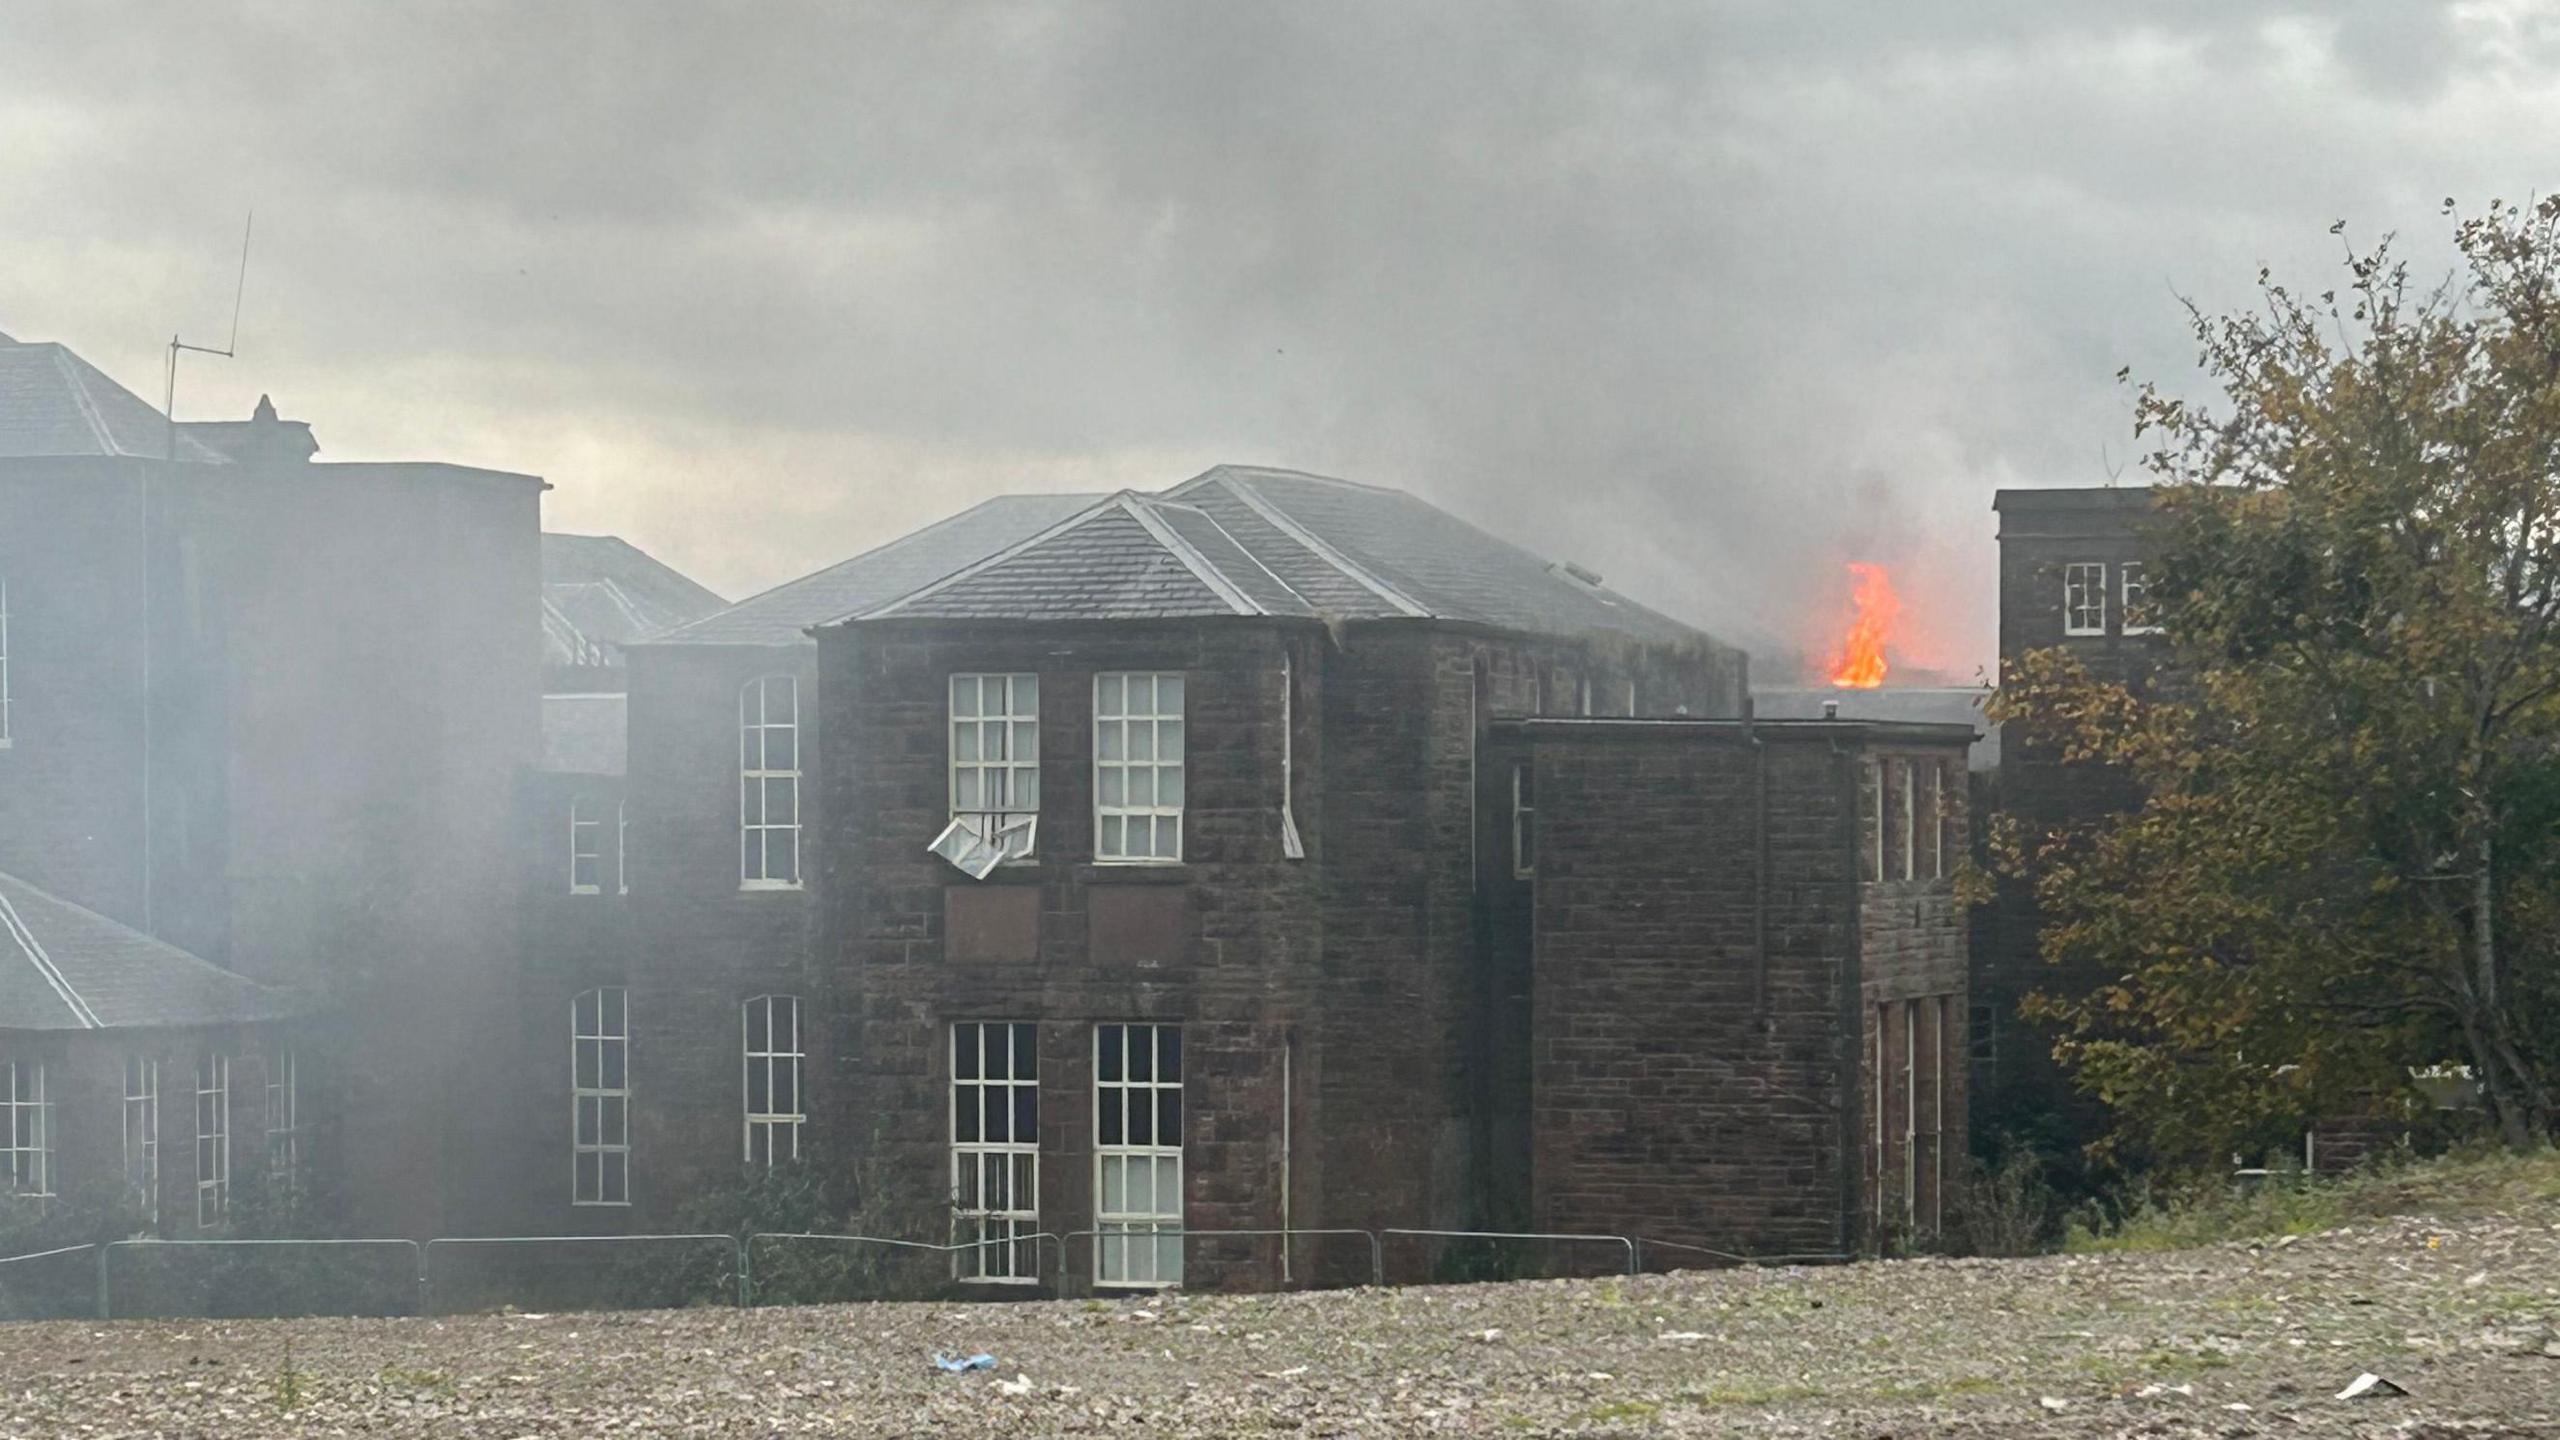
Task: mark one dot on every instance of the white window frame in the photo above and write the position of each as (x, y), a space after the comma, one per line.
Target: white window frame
(1937, 817)
(608, 1153)
(586, 846)
(29, 1137)
(2084, 598)
(622, 846)
(1875, 855)
(1524, 823)
(2132, 590)
(780, 1057)
(995, 1184)
(142, 1132)
(213, 1139)
(1118, 768)
(760, 780)
(1910, 771)
(1155, 1261)
(284, 1102)
(4, 662)
(995, 758)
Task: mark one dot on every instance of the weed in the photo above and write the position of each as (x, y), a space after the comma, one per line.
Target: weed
(287, 1390)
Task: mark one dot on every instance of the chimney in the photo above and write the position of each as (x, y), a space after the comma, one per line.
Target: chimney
(260, 439)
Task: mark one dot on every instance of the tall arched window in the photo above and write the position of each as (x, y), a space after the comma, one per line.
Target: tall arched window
(769, 783)
(775, 1108)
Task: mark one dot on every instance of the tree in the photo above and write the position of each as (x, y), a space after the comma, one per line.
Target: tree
(2346, 859)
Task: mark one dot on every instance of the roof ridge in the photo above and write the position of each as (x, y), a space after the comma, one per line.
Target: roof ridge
(1301, 475)
(988, 562)
(179, 952)
(33, 949)
(1246, 551)
(1201, 567)
(1315, 545)
(884, 547)
(78, 385)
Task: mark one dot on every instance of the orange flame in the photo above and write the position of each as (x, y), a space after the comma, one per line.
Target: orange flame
(1859, 664)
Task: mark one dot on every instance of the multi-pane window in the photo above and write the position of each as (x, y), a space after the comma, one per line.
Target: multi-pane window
(769, 783)
(1932, 864)
(213, 1138)
(30, 1127)
(600, 1097)
(284, 1115)
(1911, 1113)
(1524, 822)
(1875, 819)
(142, 1133)
(1137, 1124)
(4, 661)
(2135, 594)
(586, 848)
(995, 1151)
(775, 1109)
(1137, 767)
(2084, 599)
(995, 758)
(1909, 776)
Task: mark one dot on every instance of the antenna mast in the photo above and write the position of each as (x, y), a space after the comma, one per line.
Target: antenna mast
(240, 288)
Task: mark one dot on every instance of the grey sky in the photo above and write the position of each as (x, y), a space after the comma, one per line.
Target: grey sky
(1711, 298)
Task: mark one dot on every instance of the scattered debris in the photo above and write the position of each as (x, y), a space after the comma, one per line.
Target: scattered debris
(950, 1366)
(1020, 1384)
(1681, 1337)
(1292, 1373)
(2054, 1403)
(2369, 1383)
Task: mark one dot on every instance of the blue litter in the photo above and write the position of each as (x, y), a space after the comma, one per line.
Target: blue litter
(975, 1362)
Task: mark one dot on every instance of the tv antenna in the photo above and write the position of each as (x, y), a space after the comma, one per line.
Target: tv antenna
(240, 288)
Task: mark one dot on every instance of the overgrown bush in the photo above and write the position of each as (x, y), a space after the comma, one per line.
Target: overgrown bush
(2003, 1208)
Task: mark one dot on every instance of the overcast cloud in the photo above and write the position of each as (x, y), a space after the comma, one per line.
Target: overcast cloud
(1711, 298)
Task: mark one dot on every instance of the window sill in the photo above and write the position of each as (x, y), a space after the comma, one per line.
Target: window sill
(599, 1204)
(1137, 872)
(769, 887)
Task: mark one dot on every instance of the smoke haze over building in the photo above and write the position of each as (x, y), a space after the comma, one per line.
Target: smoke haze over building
(1710, 299)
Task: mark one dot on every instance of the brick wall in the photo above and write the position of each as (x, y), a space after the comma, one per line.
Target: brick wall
(1679, 1092)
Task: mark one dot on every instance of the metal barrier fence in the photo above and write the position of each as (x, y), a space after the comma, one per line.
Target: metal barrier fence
(232, 1278)
(747, 1250)
(305, 1279)
(621, 1285)
(1625, 1242)
(36, 1292)
(1377, 1254)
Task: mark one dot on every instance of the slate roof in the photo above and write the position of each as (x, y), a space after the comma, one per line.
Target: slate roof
(1131, 557)
(52, 402)
(1240, 540)
(1405, 556)
(65, 967)
(585, 734)
(601, 591)
(783, 615)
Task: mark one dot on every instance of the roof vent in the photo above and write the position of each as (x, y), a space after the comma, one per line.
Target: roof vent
(1830, 709)
(1575, 573)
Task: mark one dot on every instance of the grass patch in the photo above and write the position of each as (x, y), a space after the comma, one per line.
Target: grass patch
(2473, 1183)
(1618, 1412)
(1739, 1393)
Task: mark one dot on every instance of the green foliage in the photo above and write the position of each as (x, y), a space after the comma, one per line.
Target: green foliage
(2342, 861)
(2501, 1182)
(287, 1390)
(2004, 1208)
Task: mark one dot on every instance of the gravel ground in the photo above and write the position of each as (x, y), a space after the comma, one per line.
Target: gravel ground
(2234, 1340)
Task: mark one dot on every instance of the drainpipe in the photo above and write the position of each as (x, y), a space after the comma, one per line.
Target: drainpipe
(1760, 863)
(1852, 1012)
(1288, 1102)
